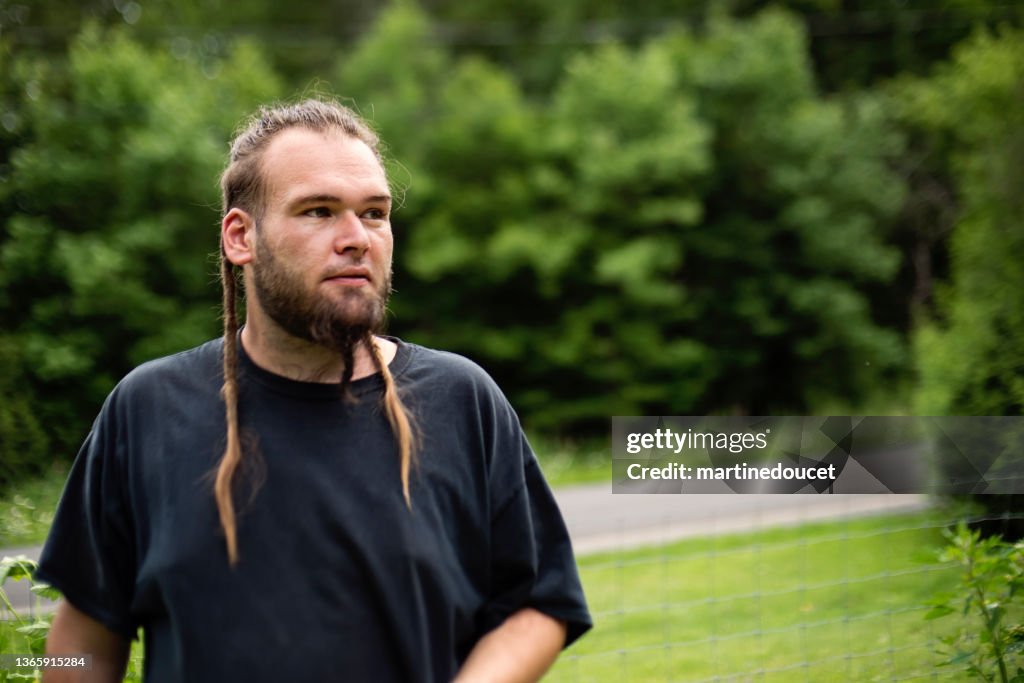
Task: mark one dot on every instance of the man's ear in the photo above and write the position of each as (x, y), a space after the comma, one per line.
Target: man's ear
(237, 232)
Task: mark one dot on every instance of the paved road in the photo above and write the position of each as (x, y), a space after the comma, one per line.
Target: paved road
(600, 521)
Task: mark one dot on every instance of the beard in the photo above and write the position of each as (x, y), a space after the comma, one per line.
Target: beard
(340, 323)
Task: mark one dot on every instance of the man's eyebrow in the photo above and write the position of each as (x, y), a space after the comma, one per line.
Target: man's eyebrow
(312, 198)
(335, 199)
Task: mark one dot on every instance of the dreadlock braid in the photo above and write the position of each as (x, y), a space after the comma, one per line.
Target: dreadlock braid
(398, 417)
(233, 452)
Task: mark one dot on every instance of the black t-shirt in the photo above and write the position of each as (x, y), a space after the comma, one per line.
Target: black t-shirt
(337, 579)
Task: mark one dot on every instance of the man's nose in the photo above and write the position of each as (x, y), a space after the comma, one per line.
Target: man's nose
(351, 234)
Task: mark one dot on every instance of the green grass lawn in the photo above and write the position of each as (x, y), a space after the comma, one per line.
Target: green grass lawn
(842, 601)
(832, 602)
(567, 462)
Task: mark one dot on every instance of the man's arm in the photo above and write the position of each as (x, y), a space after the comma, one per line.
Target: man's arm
(74, 632)
(518, 651)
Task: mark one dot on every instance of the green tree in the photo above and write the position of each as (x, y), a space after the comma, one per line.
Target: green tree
(108, 220)
(852, 45)
(971, 351)
(683, 227)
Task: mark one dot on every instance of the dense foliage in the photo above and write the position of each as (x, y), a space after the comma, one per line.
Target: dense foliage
(108, 219)
(971, 114)
(715, 213)
(683, 227)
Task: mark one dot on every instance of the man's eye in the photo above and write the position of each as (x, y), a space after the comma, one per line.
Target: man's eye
(318, 212)
(375, 214)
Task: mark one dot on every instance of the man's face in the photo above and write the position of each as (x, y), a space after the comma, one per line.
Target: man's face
(321, 268)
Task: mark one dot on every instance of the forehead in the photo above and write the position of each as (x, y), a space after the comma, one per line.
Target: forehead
(299, 162)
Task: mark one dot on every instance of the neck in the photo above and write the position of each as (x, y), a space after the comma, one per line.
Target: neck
(275, 350)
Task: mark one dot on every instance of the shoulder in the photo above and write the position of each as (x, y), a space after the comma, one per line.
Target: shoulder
(425, 363)
(184, 373)
(198, 360)
(459, 380)
(425, 358)
(461, 411)
(157, 396)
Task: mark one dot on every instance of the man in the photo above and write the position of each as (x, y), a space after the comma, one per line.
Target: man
(305, 499)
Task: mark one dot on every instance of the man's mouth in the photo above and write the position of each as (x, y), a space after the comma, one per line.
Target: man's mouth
(352, 277)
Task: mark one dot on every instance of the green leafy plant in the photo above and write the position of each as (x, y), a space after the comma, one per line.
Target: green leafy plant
(990, 642)
(19, 634)
(22, 635)
(21, 568)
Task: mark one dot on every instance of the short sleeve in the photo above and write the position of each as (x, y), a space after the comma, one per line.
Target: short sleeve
(531, 558)
(89, 553)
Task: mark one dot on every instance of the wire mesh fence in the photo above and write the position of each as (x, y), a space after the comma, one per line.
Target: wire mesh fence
(842, 600)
